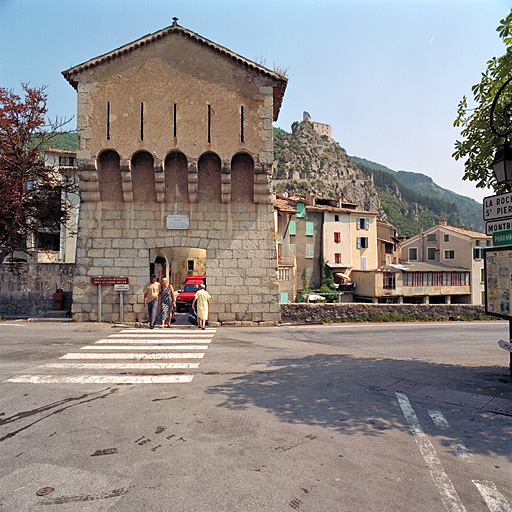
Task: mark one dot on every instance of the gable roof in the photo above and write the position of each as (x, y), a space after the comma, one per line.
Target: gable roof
(281, 81)
(467, 232)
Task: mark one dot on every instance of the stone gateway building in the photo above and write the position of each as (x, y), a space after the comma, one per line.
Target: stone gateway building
(176, 154)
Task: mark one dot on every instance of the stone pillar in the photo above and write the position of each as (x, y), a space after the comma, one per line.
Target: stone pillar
(225, 183)
(158, 167)
(89, 182)
(262, 184)
(126, 180)
(192, 182)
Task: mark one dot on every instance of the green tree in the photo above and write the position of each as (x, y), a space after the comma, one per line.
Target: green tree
(479, 143)
(32, 194)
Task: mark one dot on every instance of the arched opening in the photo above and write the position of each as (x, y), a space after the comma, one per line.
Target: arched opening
(109, 176)
(176, 180)
(143, 177)
(209, 172)
(160, 267)
(242, 178)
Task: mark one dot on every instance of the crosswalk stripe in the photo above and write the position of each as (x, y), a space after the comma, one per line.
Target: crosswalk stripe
(123, 366)
(145, 347)
(493, 498)
(103, 379)
(147, 351)
(179, 355)
(177, 341)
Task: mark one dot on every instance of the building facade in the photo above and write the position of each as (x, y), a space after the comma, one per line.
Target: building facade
(453, 247)
(176, 152)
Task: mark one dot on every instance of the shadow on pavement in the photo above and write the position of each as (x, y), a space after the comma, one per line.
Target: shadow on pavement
(341, 392)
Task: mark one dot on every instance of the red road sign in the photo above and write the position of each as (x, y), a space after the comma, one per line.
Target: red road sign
(110, 281)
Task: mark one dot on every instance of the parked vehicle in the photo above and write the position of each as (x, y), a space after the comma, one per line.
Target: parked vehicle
(188, 292)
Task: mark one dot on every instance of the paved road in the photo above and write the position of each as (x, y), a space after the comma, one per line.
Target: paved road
(355, 417)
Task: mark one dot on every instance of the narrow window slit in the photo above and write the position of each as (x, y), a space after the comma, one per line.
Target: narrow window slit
(142, 121)
(242, 123)
(108, 120)
(209, 123)
(174, 119)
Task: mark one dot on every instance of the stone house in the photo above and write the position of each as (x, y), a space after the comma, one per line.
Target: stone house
(284, 213)
(414, 283)
(176, 153)
(453, 247)
(388, 244)
(328, 231)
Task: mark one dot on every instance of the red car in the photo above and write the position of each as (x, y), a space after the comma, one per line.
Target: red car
(188, 292)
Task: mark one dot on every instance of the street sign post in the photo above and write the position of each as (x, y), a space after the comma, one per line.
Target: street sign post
(498, 207)
(115, 281)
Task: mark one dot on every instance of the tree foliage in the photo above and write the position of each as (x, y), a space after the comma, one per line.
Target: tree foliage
(31, 193)
(479, 143)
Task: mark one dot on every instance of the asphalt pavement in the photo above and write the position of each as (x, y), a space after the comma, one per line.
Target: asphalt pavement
(351, 417)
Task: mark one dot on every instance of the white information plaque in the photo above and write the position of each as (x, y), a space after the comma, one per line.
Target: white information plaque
(178, 222)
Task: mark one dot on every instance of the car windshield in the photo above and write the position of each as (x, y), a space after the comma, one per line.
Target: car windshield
(190, 288)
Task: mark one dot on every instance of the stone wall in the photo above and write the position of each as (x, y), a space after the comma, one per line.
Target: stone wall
(30, 304)
(240, 257)
(315, 313)
(40, 277)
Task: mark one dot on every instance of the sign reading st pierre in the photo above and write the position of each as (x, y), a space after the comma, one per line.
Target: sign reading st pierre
(498, 207)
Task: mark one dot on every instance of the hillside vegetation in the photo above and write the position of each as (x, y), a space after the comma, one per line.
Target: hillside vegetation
(410, 201)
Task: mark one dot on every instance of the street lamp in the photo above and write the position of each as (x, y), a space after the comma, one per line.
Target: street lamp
(502, 127)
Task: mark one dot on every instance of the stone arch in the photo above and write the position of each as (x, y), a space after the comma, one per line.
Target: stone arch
(160, 266)
(109, 176)
(176, 178)
(143, 177)
(242, 178)
(209, 178)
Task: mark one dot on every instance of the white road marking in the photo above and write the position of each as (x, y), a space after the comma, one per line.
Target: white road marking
(493, 498)
(103, 379)
(443, 483)
(132, 340)
(461, 451)
(152, 340)
(458, 446)
(438, 419)
(123, 366)
(182, 355)
(145, 347)
(170, 332)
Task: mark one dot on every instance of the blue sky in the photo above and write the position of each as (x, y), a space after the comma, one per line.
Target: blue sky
(387, 75)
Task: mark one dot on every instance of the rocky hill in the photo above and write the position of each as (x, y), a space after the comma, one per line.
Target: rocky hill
(410, 201)
(305, 161)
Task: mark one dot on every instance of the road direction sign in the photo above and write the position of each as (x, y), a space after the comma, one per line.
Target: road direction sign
(109, 280)
(496, 226)
(502, 238)
(498, 207)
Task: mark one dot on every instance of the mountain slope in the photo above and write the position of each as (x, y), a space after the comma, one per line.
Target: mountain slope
(306, 161)
(469, 210)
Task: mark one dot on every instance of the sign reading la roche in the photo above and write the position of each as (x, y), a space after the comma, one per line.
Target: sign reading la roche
(498, 207)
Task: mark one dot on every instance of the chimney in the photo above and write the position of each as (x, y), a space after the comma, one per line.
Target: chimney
(443, 222)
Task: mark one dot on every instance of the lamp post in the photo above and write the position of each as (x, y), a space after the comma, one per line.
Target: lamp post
(501, 126)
